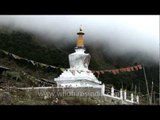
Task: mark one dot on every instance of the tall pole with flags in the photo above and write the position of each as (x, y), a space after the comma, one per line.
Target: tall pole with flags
(154, 98)
(135, 90)
(122, 85)
(148, 96)
(139, 89)
(152, 92)
(132, 86)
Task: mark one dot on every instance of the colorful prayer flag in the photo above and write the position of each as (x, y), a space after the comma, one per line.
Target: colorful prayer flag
(139, 66)
(136, 67)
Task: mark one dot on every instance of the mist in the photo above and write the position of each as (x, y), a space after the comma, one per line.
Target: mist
(122, 34)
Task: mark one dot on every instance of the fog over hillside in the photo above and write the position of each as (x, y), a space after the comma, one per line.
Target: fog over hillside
(120, 34)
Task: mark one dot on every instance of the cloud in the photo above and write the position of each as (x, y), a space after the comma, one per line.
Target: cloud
(122, 33)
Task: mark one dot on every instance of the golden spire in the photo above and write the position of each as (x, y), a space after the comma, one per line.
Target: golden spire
(80, 40)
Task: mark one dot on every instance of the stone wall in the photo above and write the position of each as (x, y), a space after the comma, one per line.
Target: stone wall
(90, 93)
(81, 91)
(61, 92)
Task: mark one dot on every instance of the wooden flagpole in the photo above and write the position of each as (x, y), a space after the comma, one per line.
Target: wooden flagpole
(139, 89)
(135, 89)
(154, 97)
(146, 84)
(152, 92)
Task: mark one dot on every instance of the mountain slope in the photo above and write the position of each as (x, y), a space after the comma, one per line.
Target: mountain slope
(29, 46)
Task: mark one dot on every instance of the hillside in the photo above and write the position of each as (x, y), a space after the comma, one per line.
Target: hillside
(30, 46)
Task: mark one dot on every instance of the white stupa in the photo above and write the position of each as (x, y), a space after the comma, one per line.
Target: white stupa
(78, 75)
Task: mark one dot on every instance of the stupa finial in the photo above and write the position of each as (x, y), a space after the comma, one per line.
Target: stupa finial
(81, 28)
(80, 40)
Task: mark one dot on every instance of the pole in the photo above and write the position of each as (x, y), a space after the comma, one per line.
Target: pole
(122, 85)
(146, 84)
(132, 86)
(139, 89)
(135, 91)
(154, 98)
(151, 92)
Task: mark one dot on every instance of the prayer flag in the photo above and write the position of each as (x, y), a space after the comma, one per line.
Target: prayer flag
(139, 66)
(102, 72)
(136, 67)
(132, 69)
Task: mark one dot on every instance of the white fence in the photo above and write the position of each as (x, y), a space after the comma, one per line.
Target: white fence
(120, 94)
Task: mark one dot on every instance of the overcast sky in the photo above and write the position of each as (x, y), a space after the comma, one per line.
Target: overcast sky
(124, 33)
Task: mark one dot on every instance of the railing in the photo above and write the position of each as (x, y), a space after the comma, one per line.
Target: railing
(120, 94)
